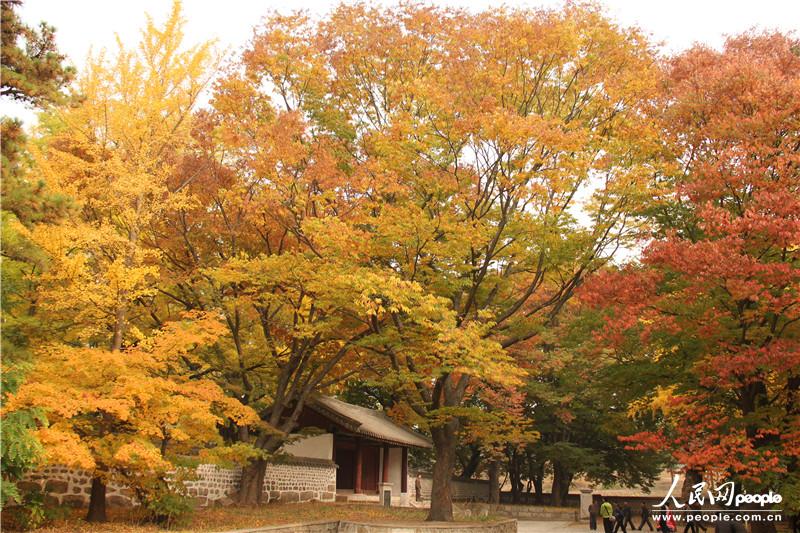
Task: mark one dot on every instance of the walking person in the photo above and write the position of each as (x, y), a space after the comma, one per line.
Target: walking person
(693, 521)
(619, 519)
(418, 487)
(691, 524)
(645, 517)
(607, 514)
(626, 514)
(593, 516)
(666, 524)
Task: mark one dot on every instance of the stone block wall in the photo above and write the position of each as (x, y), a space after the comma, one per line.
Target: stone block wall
(66, 486)
(520, 512)
(462, 490)
(500, 526)
(287, 481)
(344, 526)
(213, 484)
(300, 480)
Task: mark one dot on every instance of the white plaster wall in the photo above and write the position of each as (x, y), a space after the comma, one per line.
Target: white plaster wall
(317, 447)
(395, 468)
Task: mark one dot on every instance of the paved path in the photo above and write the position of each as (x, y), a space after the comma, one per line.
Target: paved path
(527, 526)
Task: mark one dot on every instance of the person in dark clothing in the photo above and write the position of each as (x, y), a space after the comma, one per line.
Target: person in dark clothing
(626, 513)
(619, 519)
(645, 512)
(691, 522)
(664, 525)
(593, 516)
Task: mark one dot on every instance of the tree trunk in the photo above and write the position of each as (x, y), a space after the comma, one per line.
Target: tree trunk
(691, 477)
(562, 479)
(514, 476)
(251, 486)
(494, 482)
(97, 502)
(470, 466)
(538, 482)
(444, 447)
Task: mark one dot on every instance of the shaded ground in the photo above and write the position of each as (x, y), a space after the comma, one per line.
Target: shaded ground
(226, 518)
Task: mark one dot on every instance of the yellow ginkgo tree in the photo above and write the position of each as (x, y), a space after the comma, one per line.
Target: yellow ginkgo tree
(116, 382)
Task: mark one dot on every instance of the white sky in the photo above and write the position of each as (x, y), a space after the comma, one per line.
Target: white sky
(85, 24)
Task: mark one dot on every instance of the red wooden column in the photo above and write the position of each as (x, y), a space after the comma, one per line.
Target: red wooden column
(404, 472)
(357, 480)
(385, 474)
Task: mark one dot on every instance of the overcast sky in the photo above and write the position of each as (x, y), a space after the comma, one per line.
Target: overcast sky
(85, 24)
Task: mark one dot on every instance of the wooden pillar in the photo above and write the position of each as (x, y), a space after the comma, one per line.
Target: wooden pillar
(357, 480)
(385, 475)
(404, 472)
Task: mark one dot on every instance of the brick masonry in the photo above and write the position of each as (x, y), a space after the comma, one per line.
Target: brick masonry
(292, 480)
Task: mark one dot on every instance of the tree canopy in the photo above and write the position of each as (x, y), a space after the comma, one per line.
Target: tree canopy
(406, 201)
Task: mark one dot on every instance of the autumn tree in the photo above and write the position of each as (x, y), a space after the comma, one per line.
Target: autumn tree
(263, 179)
(32, 72)
(126, 415)
(131, 383)
(580, 406)
(33, 69)
(471, 142)
(714, 302)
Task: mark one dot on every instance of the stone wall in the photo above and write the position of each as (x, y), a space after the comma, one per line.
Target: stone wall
(520, 512)
(65, 486)
(294, 479)
(343, 526)
(300, 480)
(462, 490)
(308, 527)
(501, 526)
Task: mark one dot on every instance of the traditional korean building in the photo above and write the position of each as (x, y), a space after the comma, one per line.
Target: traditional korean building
(369, 449)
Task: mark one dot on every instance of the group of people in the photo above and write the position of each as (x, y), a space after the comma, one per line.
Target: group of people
(618, 517)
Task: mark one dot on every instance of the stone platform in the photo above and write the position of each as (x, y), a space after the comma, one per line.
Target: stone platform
(343, 526)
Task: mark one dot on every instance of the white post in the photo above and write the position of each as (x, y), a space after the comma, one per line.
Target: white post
(586, 501)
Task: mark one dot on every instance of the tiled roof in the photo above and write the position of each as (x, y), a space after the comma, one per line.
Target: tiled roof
(368, 422)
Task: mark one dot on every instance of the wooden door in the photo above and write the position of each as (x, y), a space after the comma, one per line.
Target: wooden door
(346, 461)
(370, 468)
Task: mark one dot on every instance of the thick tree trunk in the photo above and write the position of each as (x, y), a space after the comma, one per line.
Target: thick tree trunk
(251, 487)
(444, 447)
(494, 482)
(691, 477)
(562, 479)
(97, 502)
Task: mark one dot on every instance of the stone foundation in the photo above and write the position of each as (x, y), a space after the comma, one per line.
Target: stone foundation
(289, 480)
